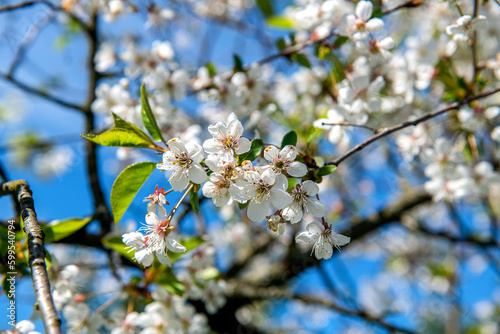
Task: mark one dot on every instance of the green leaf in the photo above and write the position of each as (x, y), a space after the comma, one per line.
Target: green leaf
(281, 44)
(280, 22)
(123, 134)
(147, 116)
(195, 200)
(289, 139)
(116, 243)
(118, 138)
(378, 12)
(59, 229)
(126, 186)
(238, 64)
(120, 123)
(210, 273)
(255, 151)
(212, 71)
(301, 59)
(322, 52)
(339, 41)
(243, 205)
(337, 68)
(265, 7)
(48, 260)
(314, 134)
(168, 280)
(326, 170)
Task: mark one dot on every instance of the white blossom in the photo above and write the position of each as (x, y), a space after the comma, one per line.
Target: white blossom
(227, 139)
(283, 161)
(157, 240)
(184, 163)
(302, 201)
(261, 190)
(462, 30)
(358, 26)
(217, 188)
(324, 240)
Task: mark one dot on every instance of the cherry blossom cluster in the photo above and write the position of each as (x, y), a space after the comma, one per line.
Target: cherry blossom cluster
(230, 179)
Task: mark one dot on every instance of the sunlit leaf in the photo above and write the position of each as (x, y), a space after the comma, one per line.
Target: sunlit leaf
(126, 186)
(280, 22)
(289, 139)
(59, 229)
(326, 170)
(148, 118)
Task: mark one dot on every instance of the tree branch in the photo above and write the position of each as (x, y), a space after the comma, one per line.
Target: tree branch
(36, 253)
(387, 131)
(239, 289)
(102, 211)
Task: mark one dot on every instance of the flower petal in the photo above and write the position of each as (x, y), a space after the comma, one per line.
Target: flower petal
(323, 250)
(281, 182)
(310, 188)
(280, 199)
(212, 146)
(161, 211)
(174, 246)
(340, 240)
(145, 257)
(257, 212)
(297, 169)
(195, 152)
(178, 180)
(315, 227)
(271, 153)
(289, 152)
(375, 25)
(306, 237)
(197, 174)
(175, 145)
(209, 189)
(235, 128)
(293, 213)
(163, 258)
(364, 10)
(152, 219)
(315, 208)
(221, 199)
(244, 145)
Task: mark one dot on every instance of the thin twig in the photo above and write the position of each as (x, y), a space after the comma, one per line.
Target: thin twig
(383, 133)
(15, 203)
(174, 209)
(473, 43)
(28, 40)
(408, 4)
(353, 125)
(17, 6)
(40, 93)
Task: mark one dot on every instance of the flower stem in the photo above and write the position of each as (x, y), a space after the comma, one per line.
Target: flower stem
(174, 209)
